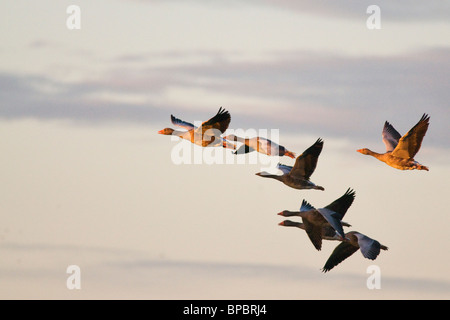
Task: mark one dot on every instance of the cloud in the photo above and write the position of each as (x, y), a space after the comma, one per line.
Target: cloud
(121, 273)
(322, 94)
(399, 11)
(416, 10)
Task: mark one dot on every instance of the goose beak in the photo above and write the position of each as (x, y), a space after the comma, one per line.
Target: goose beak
(280, 213)
(161, 131)
(281, 223)
(290, 154)
(359, 150)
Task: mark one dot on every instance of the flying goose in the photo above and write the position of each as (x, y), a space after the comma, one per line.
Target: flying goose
(297, 177)
(354, 240)
(315, 220)
(207, 135)
(400, 151)
(328, 233)
(260, 144)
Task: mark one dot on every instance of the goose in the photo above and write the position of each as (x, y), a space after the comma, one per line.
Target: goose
(297, 177)
(400, 151)
(207, 135)
(315, 220)
(369, 248)
(260, 144)
(328, 233)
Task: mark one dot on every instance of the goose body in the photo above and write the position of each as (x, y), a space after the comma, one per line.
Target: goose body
(400, 151)
(315, 220)
(260, 144)
(353, 242)
(328, 233)
(298, 176)
(207, 135)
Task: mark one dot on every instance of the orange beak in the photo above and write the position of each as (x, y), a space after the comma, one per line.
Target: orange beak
(289, 154)
(281, 223)
(161, 131)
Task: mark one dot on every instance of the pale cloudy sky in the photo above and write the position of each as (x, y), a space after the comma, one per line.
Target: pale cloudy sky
(87, 181)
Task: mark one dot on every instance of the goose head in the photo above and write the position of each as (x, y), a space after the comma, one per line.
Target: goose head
(363, 151)
(287, 213)
(166, 131)
(289, 223)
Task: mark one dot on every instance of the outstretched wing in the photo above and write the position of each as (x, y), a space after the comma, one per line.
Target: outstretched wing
(390, 136)
(306, 163)
(339, 254)
(410, 143)
(181, 123)
(341, 205)
(220, 121)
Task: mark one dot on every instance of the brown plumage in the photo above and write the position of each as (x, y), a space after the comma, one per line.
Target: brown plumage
(353, 242)
(298, 176)
(315, 220)
(208, 134)
(400, 151)
(328, 233)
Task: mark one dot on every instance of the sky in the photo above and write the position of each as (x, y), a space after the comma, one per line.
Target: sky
(87, 181)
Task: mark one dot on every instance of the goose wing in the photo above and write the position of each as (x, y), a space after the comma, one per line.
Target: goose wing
(339, 254)
(306, 163)
(390, 136)
(328, 231)
(306, 206)
(333, 219)
(314, 233)
(410, 143)
(220, 121)
(370, 248)
(284, 168)
(183, 124)
(341, 205)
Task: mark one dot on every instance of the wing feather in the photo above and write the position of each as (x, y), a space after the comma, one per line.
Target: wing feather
(183, 124)
(306, 206)
(410, 143)
(306, 163)
(390, 136)
(314, 233)
(339, 254)
(333, 219)
(220, 121)
(341, 205)
(284, 168)
(370, 248)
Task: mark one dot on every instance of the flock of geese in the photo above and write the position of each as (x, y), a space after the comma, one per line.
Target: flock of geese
(319, 223)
